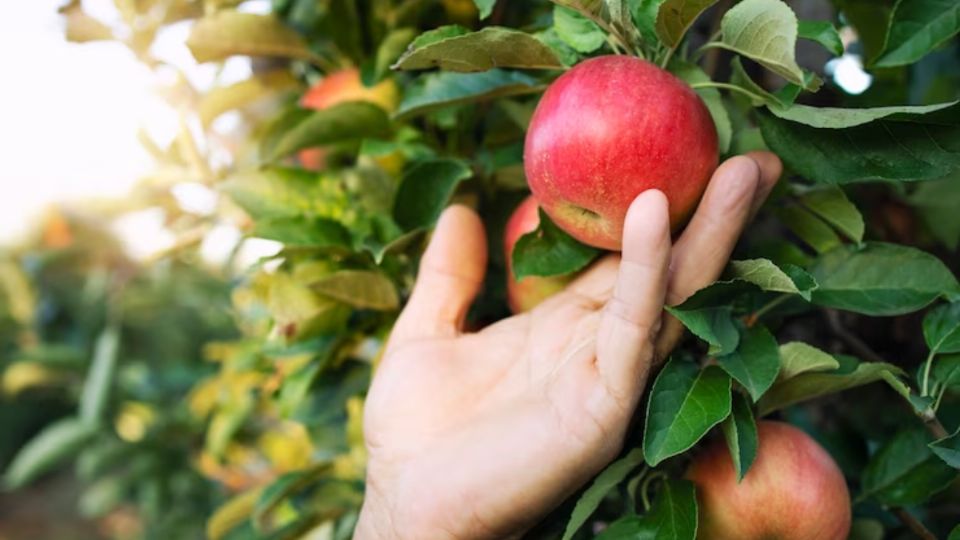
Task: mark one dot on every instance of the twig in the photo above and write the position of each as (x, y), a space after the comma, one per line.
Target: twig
(913, 523)
(848, 338)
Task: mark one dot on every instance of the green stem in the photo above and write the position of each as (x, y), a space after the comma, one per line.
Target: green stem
(769, 306)
(727, 86)
(926, 372)
(644, 498)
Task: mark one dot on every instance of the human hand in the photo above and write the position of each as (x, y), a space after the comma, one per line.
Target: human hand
(478, 435)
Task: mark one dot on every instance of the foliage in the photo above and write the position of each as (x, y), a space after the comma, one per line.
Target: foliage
(813, 322)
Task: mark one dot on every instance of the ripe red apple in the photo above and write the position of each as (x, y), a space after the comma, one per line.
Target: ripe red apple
(340, 87)
(525, 294)
(793, 491)
(609, 129)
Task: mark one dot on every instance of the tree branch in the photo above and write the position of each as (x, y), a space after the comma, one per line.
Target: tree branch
(913, 523)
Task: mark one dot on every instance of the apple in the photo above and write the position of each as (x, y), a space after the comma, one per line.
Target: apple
(793, 491)
(341, 87)
(525, 294)
(609, 129)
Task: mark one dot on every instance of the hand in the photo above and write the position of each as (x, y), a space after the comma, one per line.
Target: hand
(478, 435)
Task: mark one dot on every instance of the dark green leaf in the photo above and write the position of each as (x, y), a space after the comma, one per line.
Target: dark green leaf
(756, 362)
(768, 276)
(955, 533)
(740, 432)
(549, 251)
(809, 228)
(823, 32)
(442, 89)
(797, 357)
(866, 529)
(228, 32)
(492, 47)
(916, 28)
(424, 191)
(946, 370)
(673, 516)
(344, 122)
(812, 385)
(57, 442)
(832, 206)
(675, 17)
(905, 471)
(685, 403)
(364, 289)
(96, 388)
(604, 482)
(941, 328)
(302, 231)
(576, 30)
(711, 324)
(948, 449)
(935, 202)
(282, 489)
(880, 279)
(644, 13)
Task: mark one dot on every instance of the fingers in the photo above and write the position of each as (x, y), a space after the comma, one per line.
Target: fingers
(451, 273)
(737, 190)
(630, 317)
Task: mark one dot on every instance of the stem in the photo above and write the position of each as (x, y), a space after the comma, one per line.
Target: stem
(926, 373)
(913, 523)
(646, 486)
(727, 86)
(850, 340)
(766, 308)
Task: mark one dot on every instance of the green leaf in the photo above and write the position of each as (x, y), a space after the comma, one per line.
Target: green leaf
(941, 328)
(892, 148)
(350, 121)
(604, 482)
(711, 324)
(823, 32)
(425, 189)
(577, 31)
(764, 31)
(946, 371)
(226, 98)
(935, 202)
(880, 279)
(54, 444)
(565, 53)
(442, 89)
(812, 385)
(438, 34)
(685, 403)
(692, 74)
(955, 533)
(948, 449)
(492, 47)
(756, 362)
(832, 206)
(837, 118)
(485, 7)
(390, 49)
(281, 489)
(866, 529)
(809, 228)
(644, 14)
(916, 28)
(673, 516)
(364, 289)
(768, 276)
(797, 357)
(905, 471)
(227, 33)
(96, 388)
(303, 232)
(740, 432)
(675, 17)
(549, 251)
(278, 192)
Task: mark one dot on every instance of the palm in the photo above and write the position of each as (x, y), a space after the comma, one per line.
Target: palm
(477, 435)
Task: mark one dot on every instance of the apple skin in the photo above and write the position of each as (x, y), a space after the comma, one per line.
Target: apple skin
(525, 294)
(341, 87)
(609, 129)
(793, 491)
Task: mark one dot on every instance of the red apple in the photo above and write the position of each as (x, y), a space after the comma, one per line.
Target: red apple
(793, 491)
(525, 294)
(609, 129)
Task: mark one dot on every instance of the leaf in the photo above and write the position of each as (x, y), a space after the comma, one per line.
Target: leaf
(692, 74)
(492, 47)
(549, 251)
(442, 89)
(905, 471)
(577, 31)
(273, 494)
(235, 96)
(685, 403)
(948, 449)
(676, 16)
(880, 279)
(812, 385)
(96, 388)
(916, 28)
(485, 7)
(364, 289)
(823, 32)
(588, 503)
(838, 118)
(797, 357)
(809, 228)
(941, 328)
(349, 121)
(935, 202)
(711, 324)
(81, 27)
(438, 34)
(764, 31)
(303, 232)
(425, 189)
(946, 371)
(740, 432)
(232, 513)
(644, 14)
(226, 33)
(54, 444)
(886, 149)
(768, 276)
(756, 362)
(673, 516)
(832, 206)
(390, 49)
(278, 192)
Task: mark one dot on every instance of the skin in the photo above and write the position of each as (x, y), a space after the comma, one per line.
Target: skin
(609, 129)
(793, 491)
(529, 292)
(478, 435)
